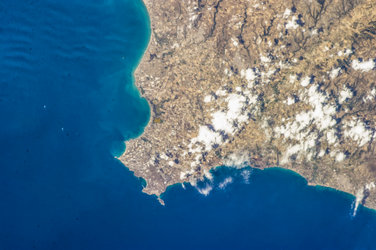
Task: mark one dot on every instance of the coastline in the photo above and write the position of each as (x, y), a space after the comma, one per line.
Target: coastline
(160, 188)
(135, 69)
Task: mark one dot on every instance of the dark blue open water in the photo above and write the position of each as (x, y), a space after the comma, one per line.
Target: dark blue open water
(66, 104)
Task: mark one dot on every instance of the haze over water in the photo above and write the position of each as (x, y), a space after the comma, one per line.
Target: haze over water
(67, 103)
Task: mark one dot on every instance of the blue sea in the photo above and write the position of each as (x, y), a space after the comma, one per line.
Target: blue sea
(67, 104)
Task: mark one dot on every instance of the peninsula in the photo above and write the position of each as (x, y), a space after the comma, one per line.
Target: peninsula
(259, 83)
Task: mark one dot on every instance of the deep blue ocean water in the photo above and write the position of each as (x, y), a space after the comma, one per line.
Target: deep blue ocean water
(67, 103)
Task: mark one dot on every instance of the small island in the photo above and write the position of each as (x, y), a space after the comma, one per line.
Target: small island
(260, 83)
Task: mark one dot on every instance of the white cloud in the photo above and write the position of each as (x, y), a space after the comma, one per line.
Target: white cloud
(290, 101)
(206, 190)
(208, 175)
(331, 137)
(305, 81)
(221, 92)
(287, 13)
(265, 59)
(234, 42)
(340, 157)
(289, 152)
(207, 137)
(225, 182)
(220, 122)
(334, 73)
(250, 75)
(235, 105)
(360, 195)
(292, 23)
(344, 94)
(246, 174)
(357, 132)
(208, 98)
(364, 65)
(237, 160)
(292, 78)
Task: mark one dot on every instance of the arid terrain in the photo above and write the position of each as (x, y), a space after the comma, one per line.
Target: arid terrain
(261, 84)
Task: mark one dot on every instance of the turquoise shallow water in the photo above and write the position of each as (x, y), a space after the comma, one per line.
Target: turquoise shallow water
(67, 103)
